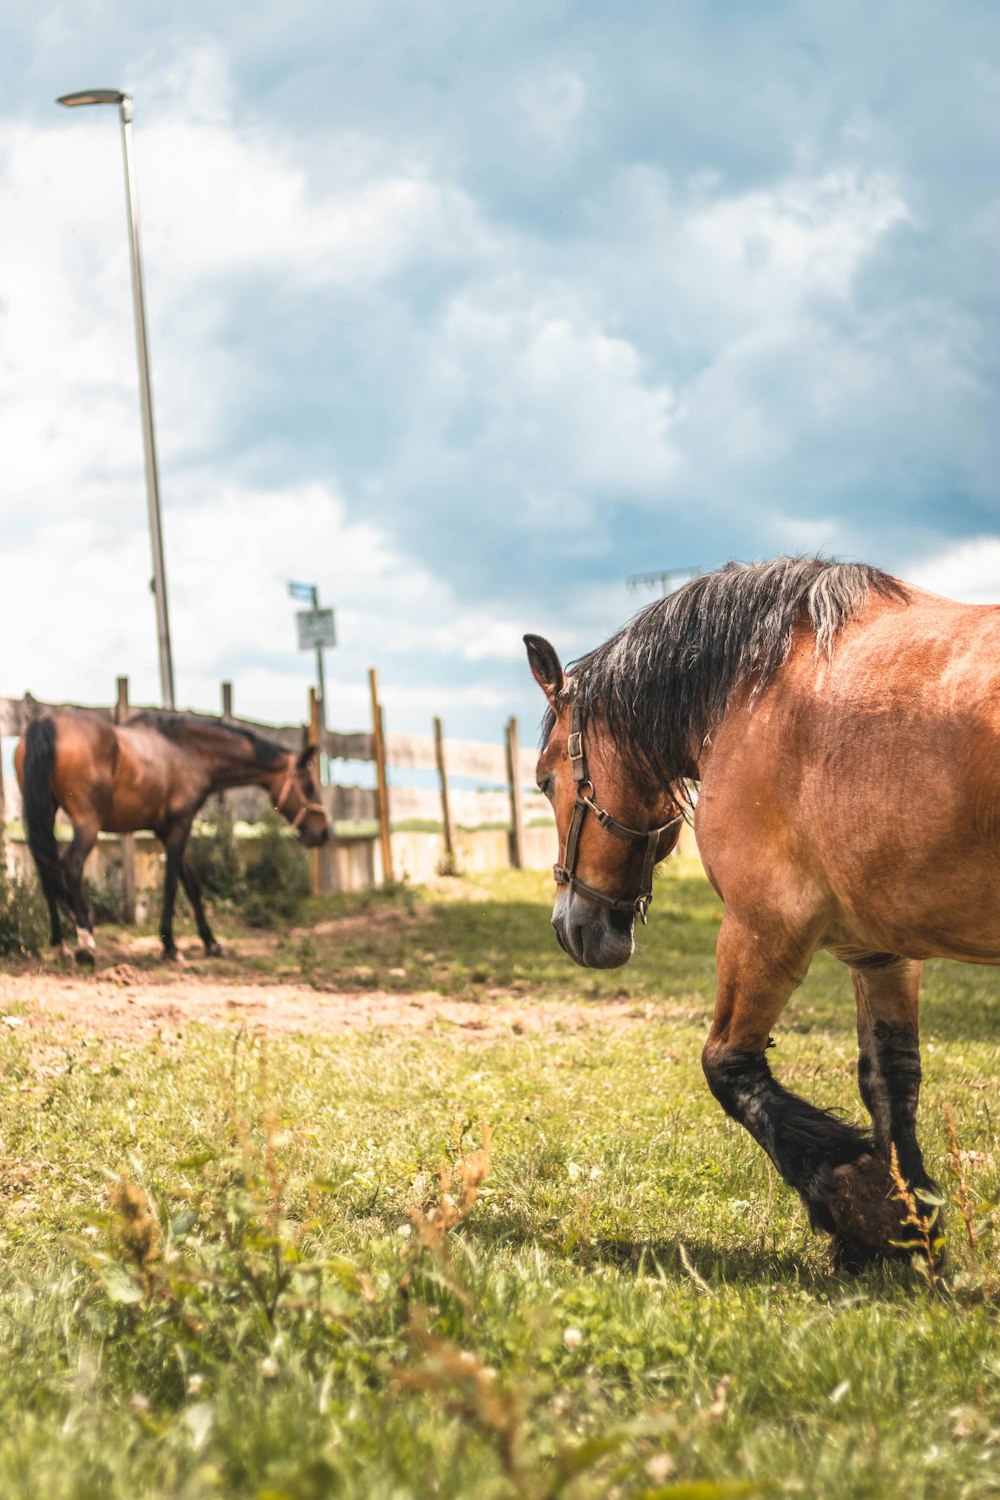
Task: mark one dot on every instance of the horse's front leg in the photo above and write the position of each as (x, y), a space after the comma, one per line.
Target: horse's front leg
(887, 989)
(174, 837)
(814, 1151)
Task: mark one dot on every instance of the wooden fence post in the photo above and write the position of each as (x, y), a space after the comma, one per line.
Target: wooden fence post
(516, 806)
(449, 841)
(127, 839)
(382, 780)
(227, 713)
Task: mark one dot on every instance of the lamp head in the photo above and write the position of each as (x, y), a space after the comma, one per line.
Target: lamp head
(99, 96)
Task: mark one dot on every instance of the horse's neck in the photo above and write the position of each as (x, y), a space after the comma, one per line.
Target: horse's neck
(228, 775)
(235, 765)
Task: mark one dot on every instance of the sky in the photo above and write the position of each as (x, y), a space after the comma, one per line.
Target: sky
(469, 314)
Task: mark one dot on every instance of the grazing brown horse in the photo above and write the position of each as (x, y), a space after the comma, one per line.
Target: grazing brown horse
(153, 772)
(844, 730)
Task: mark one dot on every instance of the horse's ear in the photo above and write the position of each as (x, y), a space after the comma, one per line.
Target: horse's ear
(545, 665)
(306, 757)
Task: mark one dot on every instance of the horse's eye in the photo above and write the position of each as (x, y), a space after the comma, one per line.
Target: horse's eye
(545, 786)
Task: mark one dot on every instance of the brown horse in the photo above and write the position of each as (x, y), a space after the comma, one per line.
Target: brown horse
(844, 730)
(153, 772)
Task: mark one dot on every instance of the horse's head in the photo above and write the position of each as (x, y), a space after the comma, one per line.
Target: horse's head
(611, 832)
(297, 799)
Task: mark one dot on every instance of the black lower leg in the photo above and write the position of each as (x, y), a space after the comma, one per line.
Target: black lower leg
(805, 1144)
(169, 897)
(193, 890)
(55, 926)
(889, 1081)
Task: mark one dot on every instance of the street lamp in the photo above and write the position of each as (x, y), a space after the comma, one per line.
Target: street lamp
(124, 103)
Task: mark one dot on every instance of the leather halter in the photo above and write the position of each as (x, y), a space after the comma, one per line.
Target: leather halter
(565, 874)
(306, 808)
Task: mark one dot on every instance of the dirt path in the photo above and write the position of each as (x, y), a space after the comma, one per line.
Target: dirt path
(126, 1005)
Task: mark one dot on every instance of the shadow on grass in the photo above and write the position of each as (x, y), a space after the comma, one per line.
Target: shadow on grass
(704, 1263)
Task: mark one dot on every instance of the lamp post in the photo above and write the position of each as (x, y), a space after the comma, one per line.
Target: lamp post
(124, 103)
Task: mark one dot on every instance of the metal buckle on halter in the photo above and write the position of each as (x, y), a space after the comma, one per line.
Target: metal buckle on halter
(575, 751)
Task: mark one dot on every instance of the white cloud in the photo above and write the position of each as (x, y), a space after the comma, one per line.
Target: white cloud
(535, 401)
(714, 267)
(547, 102)
(579, 351)
(969, 571)
(230, 557)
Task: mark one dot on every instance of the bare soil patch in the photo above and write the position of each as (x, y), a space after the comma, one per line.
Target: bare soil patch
(126, 1005)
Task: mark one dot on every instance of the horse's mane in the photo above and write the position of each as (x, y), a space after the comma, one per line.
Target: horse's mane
(185, 728)
(663, 682)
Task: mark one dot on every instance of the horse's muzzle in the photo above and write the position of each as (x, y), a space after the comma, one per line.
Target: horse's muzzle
(314, 839)
(592, 936)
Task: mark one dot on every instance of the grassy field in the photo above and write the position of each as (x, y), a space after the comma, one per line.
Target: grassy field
(235, 1266)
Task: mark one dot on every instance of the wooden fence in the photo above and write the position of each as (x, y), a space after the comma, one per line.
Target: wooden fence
(505, 800)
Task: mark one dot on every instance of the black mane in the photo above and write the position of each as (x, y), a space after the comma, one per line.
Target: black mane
(177, 726)
(662, 683)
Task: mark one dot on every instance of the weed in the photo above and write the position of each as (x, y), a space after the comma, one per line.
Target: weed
(276, 881)
(242, 1314)
(106, 898)
(215, 856)
(922, 1212)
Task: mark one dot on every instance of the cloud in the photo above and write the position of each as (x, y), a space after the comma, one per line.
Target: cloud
(547, 102)
(473, 325)
(231, 555)
(969, 571)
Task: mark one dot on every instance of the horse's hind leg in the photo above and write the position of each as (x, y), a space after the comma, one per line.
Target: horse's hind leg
(886, 988)
(811, 1148)
(84, 839)
(190, 882)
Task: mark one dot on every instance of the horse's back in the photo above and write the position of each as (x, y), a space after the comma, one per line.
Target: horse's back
(867, 782)
(154, 779)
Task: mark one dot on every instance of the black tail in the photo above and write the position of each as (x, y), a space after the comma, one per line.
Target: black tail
(40, 806)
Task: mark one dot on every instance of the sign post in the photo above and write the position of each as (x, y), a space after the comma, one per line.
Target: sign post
(317, 630)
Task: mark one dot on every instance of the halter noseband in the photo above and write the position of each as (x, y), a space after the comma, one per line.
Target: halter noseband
(565, 874)
(306, 808)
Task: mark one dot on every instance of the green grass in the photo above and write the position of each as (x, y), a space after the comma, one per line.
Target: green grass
(632, 1306)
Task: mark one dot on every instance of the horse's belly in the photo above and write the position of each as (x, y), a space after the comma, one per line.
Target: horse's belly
(140, 799)
(951, 913)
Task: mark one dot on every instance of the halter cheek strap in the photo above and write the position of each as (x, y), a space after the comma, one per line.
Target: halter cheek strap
(307, 807)
(565, 874)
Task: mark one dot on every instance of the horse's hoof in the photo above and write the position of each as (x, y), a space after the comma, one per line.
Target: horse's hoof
(868, 1217)
(171, 956)
(213, 950)
(851, 1256)
(85, 957)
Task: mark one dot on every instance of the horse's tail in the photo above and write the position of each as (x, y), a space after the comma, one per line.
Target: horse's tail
(39, 806)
